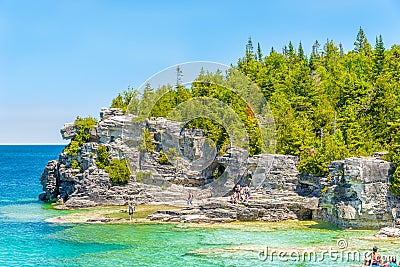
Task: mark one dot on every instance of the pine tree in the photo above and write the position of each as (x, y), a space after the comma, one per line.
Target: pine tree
(361, 44)
(250, 50)
(315, 49)
(379, 55)
(179, 76)
(285, 51)
(341, 50)
(259, 53)
(314, 55)
(301, 52)
(291, 51)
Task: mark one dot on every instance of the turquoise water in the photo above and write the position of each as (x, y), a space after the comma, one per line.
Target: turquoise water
(26, 240)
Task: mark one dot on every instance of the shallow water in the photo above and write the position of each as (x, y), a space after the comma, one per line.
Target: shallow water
(26, 240)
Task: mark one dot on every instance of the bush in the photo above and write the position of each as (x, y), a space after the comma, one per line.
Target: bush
(82, 136)
(394, 157)
(163, 159)
(122, 100)
(73, 148)
(102, 157)
(313, 163)
(324, 190)
(148, 140)
(118, 171)
(172, 153)
(75, 165)
(141, 175)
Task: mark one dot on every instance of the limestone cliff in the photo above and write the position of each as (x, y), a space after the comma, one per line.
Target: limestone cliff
(195, 165)
(354, 194)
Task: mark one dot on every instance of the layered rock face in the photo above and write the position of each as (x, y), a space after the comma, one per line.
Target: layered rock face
(193, 165)
(354, 194)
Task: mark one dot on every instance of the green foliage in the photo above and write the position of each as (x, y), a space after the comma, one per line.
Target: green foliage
(102, 160)
(172, 153)
(125, 99)
(75, 165)
(118, 171)
(141, 175)
(335, 103)
(394, 157)
(83, 125)
(163, 159)
(73, 148)
(324, 190)
(148, 140)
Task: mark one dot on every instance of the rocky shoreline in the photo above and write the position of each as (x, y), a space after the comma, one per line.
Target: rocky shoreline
(355, 194)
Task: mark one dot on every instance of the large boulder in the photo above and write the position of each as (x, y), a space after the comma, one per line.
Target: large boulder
(358, 193)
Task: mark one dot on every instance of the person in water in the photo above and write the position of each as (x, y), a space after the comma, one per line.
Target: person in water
(376, 258)
(131, 210)
(393, 262)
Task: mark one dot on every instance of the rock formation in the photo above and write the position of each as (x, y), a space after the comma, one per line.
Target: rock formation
(354, 194)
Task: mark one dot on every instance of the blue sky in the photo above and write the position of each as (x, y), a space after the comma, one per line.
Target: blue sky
(60, 59)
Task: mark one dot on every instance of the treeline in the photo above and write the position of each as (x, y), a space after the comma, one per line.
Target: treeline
(210, 104)
(329, 105)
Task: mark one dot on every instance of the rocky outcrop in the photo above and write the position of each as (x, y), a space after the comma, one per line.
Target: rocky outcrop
(192, 163)
(388, 232)
(269, 208)
(354, 194)
(68, 131)
(50, 181)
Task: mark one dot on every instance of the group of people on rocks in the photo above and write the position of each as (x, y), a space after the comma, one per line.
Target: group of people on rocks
(240, 193)
(377, 260)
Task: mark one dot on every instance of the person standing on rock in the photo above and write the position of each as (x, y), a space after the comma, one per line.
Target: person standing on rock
(190, 198)
(131, 210)
(394, 216)
(246, 190)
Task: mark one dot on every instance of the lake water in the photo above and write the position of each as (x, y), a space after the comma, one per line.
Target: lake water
(26, 240)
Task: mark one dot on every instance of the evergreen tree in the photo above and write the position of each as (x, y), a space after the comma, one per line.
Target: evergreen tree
(272, 50)
(179, 76)
(291, 52)
(259, 53)
(250, 50)
(341, 52)
(361, 44)
(301, 52)
(315, 49)
(285, 51)
(379, 55)
(339, 105)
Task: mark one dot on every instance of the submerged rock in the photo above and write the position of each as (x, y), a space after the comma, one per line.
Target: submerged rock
(389, 232)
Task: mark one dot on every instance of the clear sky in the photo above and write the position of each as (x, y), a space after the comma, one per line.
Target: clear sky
(60, 59)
